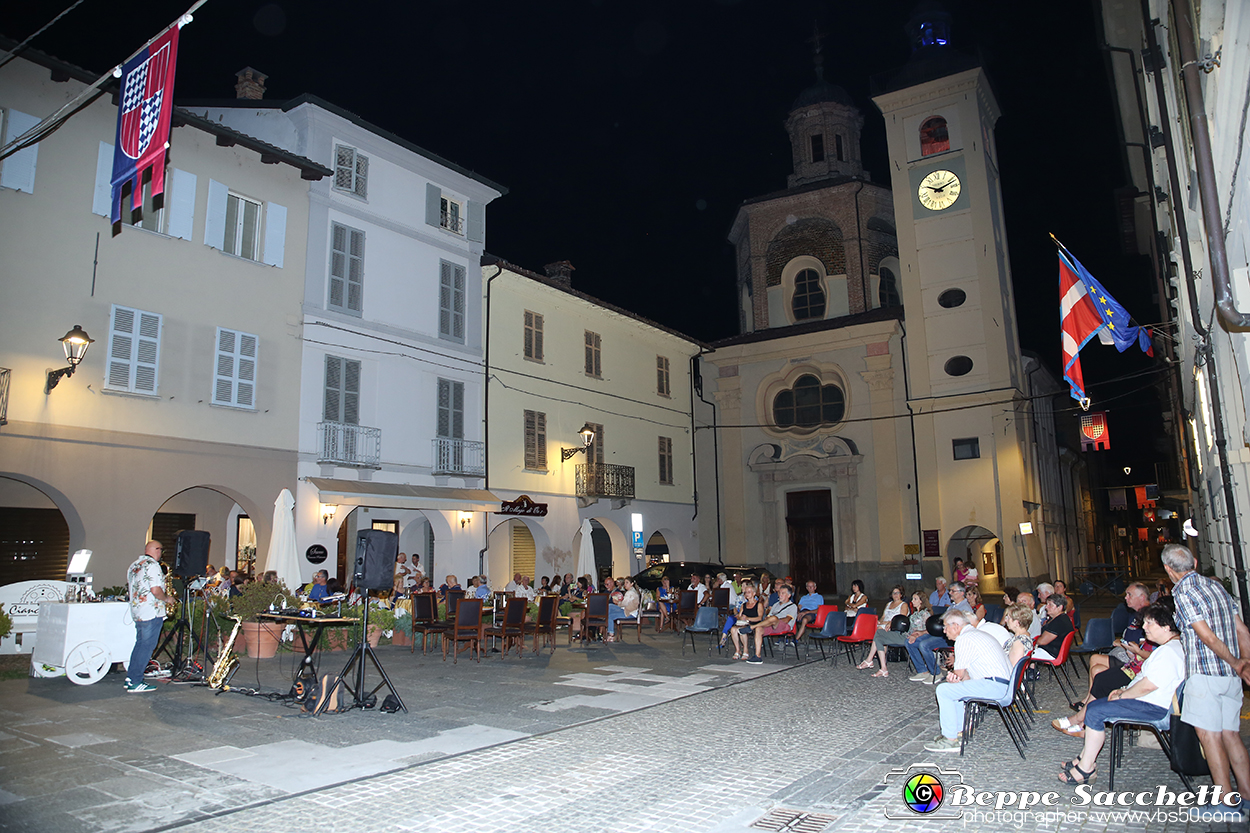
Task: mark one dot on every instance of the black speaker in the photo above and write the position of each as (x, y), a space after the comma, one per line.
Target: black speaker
(376, 551)
(192, 553)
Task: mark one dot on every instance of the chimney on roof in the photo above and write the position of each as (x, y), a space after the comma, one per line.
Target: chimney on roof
(561, 271)
(251, 84)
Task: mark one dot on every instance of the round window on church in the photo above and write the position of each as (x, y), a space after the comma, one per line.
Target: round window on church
(952, 298)
(809, 404)
(958, 366)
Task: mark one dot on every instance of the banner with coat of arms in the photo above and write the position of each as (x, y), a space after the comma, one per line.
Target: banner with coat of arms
(143, 117)
(1095, 434)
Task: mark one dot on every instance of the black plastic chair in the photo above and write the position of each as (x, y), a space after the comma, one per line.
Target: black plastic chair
(1098, 639)
(1006, 706)
(835, 626)
(706, 620)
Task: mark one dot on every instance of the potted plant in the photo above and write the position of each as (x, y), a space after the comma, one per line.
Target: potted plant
(261, 638)
(6, 623)
(381, 621)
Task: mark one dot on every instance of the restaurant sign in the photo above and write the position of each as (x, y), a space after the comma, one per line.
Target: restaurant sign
(522, 506)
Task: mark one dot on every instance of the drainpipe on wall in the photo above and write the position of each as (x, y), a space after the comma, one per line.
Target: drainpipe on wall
(715, 450)
(481, 556)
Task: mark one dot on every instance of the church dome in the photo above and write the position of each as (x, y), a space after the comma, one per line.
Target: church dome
(821, 92)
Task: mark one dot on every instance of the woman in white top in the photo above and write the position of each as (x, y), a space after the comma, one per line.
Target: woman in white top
(855, 601)
(1149, 698)
(887, 636)
(627, 609)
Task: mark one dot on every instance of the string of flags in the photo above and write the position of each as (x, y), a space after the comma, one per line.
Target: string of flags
(1086, 310)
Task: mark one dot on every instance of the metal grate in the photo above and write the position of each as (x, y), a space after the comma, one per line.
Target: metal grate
(794, 821)
(604, 480)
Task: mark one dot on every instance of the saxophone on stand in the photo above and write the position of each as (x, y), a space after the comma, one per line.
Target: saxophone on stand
(227, 660)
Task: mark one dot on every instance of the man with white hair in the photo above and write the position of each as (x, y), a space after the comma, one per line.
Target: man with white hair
(939, 597)
(980, 670)
(1214, 638)
(1043, 593)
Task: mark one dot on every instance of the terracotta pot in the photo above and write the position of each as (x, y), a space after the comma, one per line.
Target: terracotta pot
(336, 639)
(261, 639)
(400, 636)
(375, 636)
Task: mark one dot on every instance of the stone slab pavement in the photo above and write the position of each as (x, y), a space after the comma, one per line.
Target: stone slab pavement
(621, 737)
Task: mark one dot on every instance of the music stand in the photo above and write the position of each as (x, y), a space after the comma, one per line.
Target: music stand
(362, 651)
(183, 634)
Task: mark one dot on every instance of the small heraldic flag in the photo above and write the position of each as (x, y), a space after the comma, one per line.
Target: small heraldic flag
(147, 102)
(1095, 435)
(1086, 310)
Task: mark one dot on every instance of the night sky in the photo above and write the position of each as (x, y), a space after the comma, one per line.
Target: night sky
(628, 133)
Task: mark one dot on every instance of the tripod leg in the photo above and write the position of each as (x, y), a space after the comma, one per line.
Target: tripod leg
(386, 680)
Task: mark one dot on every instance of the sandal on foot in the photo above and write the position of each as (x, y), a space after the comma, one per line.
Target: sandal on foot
(1075, 775)
(882, 673)
(737, 656)
(865, 665)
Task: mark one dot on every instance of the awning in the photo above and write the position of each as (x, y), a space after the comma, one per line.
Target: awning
(403, 496)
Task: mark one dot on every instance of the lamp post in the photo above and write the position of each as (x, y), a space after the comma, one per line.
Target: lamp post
(588, 436)
(75, 344)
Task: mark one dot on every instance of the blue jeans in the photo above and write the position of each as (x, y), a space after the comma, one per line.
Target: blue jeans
(921, 652)
(1098, 712)
(951, 706)
(147, 634)
(616, 612)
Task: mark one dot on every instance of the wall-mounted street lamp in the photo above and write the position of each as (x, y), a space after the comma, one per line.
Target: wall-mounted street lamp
(327, 512)
(588, 436)
(465, 517)
(75, 344)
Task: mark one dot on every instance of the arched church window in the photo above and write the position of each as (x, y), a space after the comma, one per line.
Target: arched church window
(840, 149)
(887, 292)
(933, 136)
(808, 404)
(809, 297)
(818, 147)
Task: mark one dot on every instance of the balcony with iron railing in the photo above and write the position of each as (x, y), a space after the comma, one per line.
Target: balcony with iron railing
(461, 457)
(452, 222)
(345, 444)
(605, 480)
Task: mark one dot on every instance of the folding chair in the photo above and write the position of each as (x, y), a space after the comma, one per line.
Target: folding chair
(863, 632)
(706, 620)
(1056, 666)
(1098, 639)
(1006, 706)
(833, 628)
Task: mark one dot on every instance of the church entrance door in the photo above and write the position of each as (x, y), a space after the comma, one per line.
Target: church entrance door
(809, 524)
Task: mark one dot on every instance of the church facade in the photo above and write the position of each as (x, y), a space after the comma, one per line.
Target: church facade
(871, 418)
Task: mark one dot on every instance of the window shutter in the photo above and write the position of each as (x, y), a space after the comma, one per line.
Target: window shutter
(451, 301)
(18, 171)
(347, 252)
(103, 180)
(529, 334)
(223, 375)
(121, 348)
(457, 410)
(351, 392)
(663, 466)
(234, 378)
(535, 440)
(338, 265)
(433, 205)
(245, 390)
(333, 410)
(215, 224)
(181, 207)
(457, 329)
(362, 176)
(275, 233)
(538, 337)
(356, 271)
(147, 352)
(477, 222)
(444, 408)
(344, 167)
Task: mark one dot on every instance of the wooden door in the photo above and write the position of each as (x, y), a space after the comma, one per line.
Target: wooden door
(809, 524)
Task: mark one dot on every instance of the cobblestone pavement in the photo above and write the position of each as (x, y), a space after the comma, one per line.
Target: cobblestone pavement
(617, 738)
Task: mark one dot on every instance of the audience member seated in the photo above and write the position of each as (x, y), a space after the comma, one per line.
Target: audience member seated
(921, 650)
(1044, 591)
(807, 607)
(1149, 698)
(626, 608)
(973, 597)
(512, 586)
(961, 572)
(665, 601)
(855, 601)
(271, 577)
(1108, 672)
(1061, 589)
(749, 612)
(524, 590)
(334, 586)
(980, 670)
(1163, 589)
(1057, 626)
(780, 619)
(1017, 618)
(940, 597)
(765, 588)
(1026, 598)
(886, 637)
(451, 584)
(696, 584)
(317, 590)
(574, 608)
(481, 588)
(1010, 595)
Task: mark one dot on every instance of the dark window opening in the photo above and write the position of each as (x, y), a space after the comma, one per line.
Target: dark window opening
(966, 449)
(958, 366)
(809, 297)
(808, 404)
(934, 137)
(952, 298)
(818, 147)
(837, 143)
(887, 292)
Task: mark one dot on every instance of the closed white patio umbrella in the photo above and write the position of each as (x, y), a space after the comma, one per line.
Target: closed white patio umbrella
(283, 556)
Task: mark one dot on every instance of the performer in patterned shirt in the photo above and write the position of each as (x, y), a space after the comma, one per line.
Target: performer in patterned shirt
(146, 581)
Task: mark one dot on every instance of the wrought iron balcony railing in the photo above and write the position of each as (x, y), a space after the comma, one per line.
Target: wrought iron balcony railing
(452, 222)
(463, 457)
(605, 480)
(345, 444)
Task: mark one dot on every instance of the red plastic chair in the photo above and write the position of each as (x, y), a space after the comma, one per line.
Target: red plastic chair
(822, 613)
(1058, 663)
(863, 633)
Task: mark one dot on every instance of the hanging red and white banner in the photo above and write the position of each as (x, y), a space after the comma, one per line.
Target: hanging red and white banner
(1095, 433)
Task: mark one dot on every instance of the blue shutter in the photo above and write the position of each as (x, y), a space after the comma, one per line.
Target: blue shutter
(181, 205)
(275, 234)
(477, 222)
(18, 171)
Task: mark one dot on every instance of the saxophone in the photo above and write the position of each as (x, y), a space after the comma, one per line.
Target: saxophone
(171, 606)
(227, 660)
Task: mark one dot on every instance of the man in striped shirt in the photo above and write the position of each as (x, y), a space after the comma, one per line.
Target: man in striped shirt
(981, 670)
(1215, 639)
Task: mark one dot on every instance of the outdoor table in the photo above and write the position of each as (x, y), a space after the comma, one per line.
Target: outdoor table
(308, 666)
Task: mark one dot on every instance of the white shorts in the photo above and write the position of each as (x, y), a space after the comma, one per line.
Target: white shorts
(1213, 703)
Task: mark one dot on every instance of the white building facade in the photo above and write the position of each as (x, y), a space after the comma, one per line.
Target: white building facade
(391, 399)
(184, 412)
(559, 360)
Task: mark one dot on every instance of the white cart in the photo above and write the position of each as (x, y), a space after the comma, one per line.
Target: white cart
(82, 640)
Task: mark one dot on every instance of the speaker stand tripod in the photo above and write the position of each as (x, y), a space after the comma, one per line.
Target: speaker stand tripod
(362, 652)
(184, 636)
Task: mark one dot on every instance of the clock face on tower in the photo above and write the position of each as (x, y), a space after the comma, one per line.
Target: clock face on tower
(938, 190)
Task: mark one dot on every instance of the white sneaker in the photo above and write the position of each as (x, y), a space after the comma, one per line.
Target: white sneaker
(919, 678)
